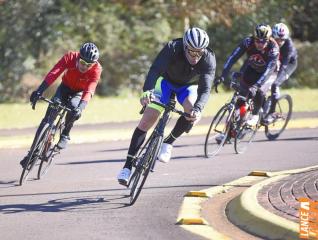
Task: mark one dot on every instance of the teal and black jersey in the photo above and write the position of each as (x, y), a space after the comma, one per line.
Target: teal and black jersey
(172, 64)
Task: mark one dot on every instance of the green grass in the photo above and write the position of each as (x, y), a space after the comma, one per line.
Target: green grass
(102, 110)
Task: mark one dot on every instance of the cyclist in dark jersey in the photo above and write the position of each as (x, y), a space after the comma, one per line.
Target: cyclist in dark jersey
(258, 68)
(187, 67)
(82, 72)
(288, 62)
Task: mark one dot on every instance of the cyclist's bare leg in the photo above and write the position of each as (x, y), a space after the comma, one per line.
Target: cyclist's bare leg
(148, 119)
(188, 104)
(182, 125)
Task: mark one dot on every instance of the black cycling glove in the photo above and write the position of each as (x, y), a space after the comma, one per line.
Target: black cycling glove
(77, 112)
(38, 93)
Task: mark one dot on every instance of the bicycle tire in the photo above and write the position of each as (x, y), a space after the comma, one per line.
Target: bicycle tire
(37, 144)
(244, 137)
(276, 128)
(45, 164)
(143, 167)
(213, 132)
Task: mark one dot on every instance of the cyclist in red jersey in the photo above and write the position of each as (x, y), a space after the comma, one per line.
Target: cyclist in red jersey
(81, 73)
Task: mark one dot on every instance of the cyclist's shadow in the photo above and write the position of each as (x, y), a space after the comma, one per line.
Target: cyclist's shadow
(70, 204)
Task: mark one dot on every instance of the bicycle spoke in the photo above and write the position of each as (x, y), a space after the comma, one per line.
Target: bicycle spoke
(143, 167)
(218, 132)
(282, 116)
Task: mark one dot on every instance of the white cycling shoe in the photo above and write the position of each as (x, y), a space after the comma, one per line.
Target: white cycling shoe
(123, 176)
(253, 120)
(165, 153)
(219, 138)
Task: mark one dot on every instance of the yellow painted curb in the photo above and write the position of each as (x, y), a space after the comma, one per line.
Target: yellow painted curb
(189, 217)
(245, 212)
(196, 194)
(192, 221)
(258, 173)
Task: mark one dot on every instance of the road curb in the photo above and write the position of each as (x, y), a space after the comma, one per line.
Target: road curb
(189, 217)
(243, 210)
(246, 212)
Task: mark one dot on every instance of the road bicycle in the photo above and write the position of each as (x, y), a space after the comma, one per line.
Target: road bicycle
(44, 146)
(230, 122)
(145, 159)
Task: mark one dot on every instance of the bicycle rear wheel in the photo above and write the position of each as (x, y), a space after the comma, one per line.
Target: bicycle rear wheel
(282, 115)
(218, 132)
(244, 137)
(146, 161)
(34, 154)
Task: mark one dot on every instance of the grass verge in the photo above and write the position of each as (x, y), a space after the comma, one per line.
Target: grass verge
(101, 110)
(90, 136)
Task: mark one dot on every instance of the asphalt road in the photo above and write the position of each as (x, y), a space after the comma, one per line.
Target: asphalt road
(80, 198)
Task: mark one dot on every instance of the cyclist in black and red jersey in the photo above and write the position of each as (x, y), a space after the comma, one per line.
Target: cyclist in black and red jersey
(258, 70)
(82, 72)
(288, 63)
(187, 67)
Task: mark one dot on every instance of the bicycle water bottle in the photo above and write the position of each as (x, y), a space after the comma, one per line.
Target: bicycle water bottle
(243, 110)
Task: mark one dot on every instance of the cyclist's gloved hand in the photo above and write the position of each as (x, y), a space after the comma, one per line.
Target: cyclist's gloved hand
(146, 97)
(253, 89)
(35, 95)
(195, 116)
(77, 112)
(218, 80)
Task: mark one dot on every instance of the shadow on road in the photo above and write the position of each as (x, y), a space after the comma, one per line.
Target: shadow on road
(289, 139)
(84, 203)
(98, 201)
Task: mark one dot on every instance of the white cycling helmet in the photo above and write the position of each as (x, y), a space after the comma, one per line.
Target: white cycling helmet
(196, 38)
(281, 31)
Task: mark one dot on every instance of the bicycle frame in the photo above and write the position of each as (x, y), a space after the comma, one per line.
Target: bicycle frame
(146, 157)
(43, 139)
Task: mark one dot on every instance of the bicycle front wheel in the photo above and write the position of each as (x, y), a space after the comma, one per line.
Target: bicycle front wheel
(146, 161)
(282, 116)
(218, 132)
(244, 137)
(35, 153)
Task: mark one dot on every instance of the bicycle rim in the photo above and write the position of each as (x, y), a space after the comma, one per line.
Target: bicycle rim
(48, 154)
(219, 126)
(244, 137)
(142, 170)
(45, 164)
(283, 111)
(34, 154)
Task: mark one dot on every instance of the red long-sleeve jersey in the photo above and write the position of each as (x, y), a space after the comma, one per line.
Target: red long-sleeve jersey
(73, 78)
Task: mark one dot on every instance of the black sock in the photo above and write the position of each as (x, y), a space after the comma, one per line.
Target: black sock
(137, 140)
(181, 126)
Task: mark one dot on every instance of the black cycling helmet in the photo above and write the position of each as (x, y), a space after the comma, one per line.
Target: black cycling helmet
(263, 31)
(89, 52)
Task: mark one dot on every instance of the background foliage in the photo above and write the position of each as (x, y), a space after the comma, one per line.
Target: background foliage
(34, 34)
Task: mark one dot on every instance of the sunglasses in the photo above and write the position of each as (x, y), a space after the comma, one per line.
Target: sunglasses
(195, 54)
(261, 41)
(279, 40)
(85, 63)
